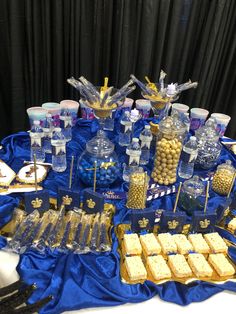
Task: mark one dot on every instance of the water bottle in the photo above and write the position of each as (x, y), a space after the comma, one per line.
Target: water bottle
(66, 124)
(36, 136)
(125, 129)
(188, 158)
(134, 152)
(47, 130)
(146, 139)
(58, 143)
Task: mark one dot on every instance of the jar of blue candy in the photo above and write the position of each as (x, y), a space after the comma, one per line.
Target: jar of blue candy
(100, 160)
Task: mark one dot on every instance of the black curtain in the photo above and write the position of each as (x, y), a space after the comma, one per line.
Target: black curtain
(43, 42)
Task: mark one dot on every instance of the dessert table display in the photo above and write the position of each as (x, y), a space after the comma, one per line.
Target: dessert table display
(89, 238)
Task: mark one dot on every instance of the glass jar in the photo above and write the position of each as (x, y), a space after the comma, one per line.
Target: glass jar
(99, 154)
(223, 177)
(189, 198)
(138, 186)
(168, 149)
(209, 147)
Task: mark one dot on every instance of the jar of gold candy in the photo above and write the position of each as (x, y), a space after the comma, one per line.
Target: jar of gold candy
(137, 194)
(168, 149)
(223, 177)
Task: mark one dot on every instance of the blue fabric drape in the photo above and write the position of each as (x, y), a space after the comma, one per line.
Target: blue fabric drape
(92, 280)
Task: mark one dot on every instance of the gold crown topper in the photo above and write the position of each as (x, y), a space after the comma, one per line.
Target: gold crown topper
(90, 203)
(37, 203)
(173, 224)
(66, 200)
(204, 223)
(226, 212)
(143, 222)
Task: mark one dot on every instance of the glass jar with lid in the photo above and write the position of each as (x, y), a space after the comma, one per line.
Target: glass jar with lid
(98, 159)
(209, 147)
(168, 149)
(190, 195)
(223, 177)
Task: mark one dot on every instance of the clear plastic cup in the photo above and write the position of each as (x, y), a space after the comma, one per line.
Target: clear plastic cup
(36, 113)
(144, 107)
(86, 112)
(198, 117)
(55, 110)
(179, 108)
(72, 106)
(222, 122)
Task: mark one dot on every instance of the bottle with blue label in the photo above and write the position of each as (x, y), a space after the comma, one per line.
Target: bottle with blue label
(58, 151)
(134, 152)
(125, 129)
(36, 142)
(188, 158)
(47, 134)
(146, 139)
(66, 124)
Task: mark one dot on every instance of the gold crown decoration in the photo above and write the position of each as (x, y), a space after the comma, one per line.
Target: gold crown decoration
(37, 203)
(173, 224)
(204, 223)
(66, 200)
(90, 203)
(143, 222)
(110, 192)
(226, 212)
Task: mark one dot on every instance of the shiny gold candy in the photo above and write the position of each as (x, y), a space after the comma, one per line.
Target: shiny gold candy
(222, 181)
(138, 190)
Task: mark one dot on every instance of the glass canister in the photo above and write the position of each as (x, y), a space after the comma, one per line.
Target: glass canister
(138, 186)
(168, 149)
(99, 154)
(189, 198)
(223, 178)
(209, 147)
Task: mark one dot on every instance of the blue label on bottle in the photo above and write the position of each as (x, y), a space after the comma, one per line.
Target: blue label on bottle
(124, 128)
(188, 157)
(59, 150)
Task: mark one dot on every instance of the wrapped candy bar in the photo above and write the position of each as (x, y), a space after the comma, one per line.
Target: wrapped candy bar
(104, 242)
(23, 230)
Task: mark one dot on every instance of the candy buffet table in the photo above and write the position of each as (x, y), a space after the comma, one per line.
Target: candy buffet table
(93, 280)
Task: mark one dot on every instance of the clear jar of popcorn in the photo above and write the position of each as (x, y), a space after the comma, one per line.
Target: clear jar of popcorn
(168, 149)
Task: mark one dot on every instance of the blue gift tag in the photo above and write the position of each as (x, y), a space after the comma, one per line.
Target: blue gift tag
(142, 219)
(172, 222)
(69, 198)
(36, 200)
(93, 202)
(203, 222)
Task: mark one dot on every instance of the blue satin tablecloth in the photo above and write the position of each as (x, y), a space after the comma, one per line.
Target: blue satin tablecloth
(82, 281)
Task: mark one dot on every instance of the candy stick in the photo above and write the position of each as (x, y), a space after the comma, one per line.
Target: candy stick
(207, 196)
(35, 174)
(177, 197)
(94, 236)
(86, 231)
(71, 171)
(231, 185)
(95, 175)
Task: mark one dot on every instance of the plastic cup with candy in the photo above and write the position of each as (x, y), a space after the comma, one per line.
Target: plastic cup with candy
(72, 106)
(55, 110)
(36, 114)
